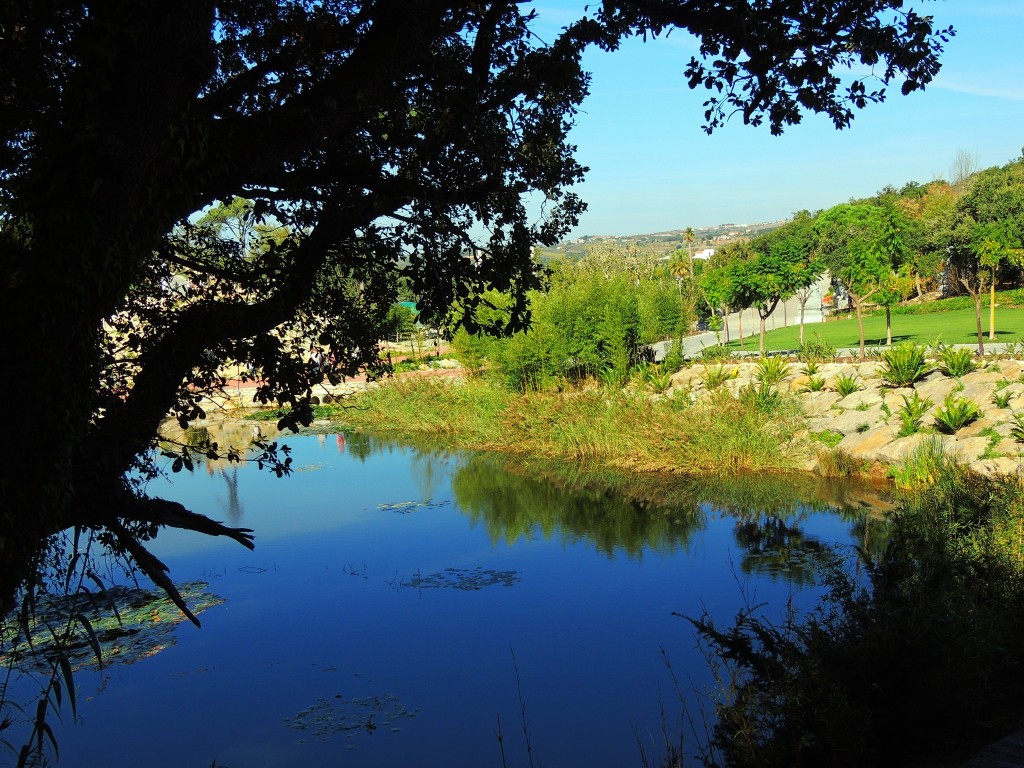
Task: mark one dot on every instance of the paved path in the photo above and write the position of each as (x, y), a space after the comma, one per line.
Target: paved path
(786, 314)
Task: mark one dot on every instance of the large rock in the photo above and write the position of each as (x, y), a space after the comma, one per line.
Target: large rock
(818, 403)
(900, 449)
(1003, 466)
(966, 449)
(936, 388)
(850, 422)
(867, 445)
(860, 398)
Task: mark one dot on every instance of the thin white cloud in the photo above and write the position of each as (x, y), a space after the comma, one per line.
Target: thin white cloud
(1006, 92)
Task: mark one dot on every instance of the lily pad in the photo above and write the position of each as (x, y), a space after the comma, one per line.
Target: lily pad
(467, 579)
(351, 716)
(128, 623)
(405, 507)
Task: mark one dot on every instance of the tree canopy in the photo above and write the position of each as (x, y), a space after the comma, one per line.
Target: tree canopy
(382, 139)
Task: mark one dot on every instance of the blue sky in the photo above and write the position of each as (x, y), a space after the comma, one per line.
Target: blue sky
(653, 169)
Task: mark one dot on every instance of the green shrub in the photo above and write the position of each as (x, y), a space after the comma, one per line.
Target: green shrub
(771, 370)
(1001, 399)
(715, 352)
(846, 384)
(815, 384)
(829, 437)
(816, 349)
(910, 656)
(1017, 429)
(913, 410)
(904, 364)
(715, 376)
(811, 367)
(958, 362)
(955, 414)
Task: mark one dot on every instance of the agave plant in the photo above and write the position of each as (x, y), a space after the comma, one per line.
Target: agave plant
(1001, 398)
(904, 364)
(1017, 429)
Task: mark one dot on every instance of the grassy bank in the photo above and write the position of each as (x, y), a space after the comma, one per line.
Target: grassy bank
(718, 436)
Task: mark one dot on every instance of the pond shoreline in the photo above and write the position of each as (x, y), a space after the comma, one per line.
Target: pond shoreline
(858, 430)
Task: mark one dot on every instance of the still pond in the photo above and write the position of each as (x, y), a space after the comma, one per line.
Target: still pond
(401, 605)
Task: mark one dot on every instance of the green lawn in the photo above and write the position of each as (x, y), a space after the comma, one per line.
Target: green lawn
(955, 327)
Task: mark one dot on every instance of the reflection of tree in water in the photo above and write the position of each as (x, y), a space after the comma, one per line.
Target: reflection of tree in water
(497, 492)
(772, 547)
(770, 510)
(516, 499)
(230, 476)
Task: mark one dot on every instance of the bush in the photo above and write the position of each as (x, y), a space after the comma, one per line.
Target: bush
(904, 364)
(771, 370)
(911, 414)
(816, 349)
(955, 414)
(958, 362)
(921, 658)
(846, 384)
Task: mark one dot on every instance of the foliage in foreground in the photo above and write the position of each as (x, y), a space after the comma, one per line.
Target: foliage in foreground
(919, 658)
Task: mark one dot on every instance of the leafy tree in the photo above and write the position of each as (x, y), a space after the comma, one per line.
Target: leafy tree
(388, 138)
(856, 243)
(401, 320)
(989, 229)
(780, 263)
(716, 287)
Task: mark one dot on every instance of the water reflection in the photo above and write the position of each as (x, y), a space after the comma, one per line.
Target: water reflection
(628, 514)
(461, 575)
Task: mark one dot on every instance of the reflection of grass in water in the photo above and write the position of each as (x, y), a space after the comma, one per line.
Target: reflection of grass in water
(619, 511)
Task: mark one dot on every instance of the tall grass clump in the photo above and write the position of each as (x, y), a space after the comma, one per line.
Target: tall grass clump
(904, 364)
(910, 658)
(448, 410)
(922, 467)
(718, 435)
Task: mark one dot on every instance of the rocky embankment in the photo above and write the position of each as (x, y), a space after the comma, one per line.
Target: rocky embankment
(865, 424)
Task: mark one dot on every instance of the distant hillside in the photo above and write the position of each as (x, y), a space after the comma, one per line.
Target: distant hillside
(662, 242)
